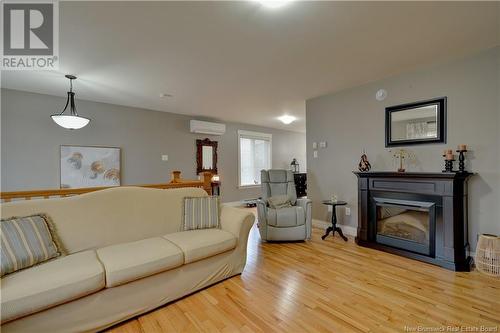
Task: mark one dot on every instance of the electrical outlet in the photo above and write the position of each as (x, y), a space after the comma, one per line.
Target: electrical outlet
(315, 154)
(315, 145)
(164, 158)
(347, 211)
(322, 144)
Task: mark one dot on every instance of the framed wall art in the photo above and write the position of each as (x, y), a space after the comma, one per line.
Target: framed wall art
(89, 166)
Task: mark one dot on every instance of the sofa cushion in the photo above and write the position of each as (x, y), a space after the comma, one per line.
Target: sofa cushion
(203, 243)
(131, 261)
(52, 283)
(286, 217)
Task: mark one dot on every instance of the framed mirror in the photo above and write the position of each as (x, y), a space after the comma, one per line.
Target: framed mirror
(206, 156)
(416, 123)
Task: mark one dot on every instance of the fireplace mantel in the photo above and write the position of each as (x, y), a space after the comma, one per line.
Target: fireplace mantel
(393, 174)
(448, 190)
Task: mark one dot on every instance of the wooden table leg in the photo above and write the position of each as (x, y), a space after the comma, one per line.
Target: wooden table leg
(327, 232)
(341, 234)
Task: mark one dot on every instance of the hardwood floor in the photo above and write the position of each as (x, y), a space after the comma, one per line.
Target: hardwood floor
(330, 286)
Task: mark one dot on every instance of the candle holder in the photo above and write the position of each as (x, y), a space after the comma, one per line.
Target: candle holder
(448, 165)
(461, 160)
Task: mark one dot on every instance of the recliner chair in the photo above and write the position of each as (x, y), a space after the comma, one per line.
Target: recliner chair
(287, 223)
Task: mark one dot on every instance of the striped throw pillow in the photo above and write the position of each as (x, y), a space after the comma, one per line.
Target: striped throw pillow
(201, 213)
(25, 242)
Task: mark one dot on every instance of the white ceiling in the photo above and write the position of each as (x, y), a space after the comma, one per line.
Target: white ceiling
(241, 62)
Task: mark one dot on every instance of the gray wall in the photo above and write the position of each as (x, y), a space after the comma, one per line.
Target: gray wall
(353, 120)
(30, 143)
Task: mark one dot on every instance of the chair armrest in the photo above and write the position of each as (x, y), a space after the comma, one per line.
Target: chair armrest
(306, 204)
(262, 211)
(262, 221)
(237, 221)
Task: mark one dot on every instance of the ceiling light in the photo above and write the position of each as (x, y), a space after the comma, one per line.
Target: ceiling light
(273, 3)
(71, 120)
(286, 119)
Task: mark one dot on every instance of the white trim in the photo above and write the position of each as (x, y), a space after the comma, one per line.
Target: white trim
(352, 231)
(243, 187)
(253, 135)
(346, 229)
(240, 203)
(232, 203)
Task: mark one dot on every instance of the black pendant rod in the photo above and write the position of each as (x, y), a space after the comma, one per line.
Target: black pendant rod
(71, 97)
(73, 106)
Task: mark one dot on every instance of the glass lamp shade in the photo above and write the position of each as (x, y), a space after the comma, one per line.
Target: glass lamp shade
(70, 122)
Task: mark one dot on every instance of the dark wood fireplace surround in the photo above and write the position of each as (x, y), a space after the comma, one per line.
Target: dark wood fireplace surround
(447, 190)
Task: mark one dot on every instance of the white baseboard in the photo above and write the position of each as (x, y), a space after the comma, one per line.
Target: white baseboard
(347, 230)
(233, 204)
(352, 231)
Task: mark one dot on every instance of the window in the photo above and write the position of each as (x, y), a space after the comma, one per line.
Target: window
(254, 155)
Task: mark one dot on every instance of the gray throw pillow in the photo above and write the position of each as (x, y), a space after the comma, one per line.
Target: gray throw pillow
(26, 241)
(201, 213)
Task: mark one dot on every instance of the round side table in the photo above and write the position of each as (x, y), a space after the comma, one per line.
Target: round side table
(334, 227)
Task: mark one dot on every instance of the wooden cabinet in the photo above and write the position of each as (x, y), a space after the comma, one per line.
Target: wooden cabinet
(300, 184)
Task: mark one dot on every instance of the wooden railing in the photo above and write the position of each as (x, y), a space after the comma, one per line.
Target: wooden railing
(176, 182)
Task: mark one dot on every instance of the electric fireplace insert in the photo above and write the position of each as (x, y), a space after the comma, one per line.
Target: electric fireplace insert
(405, 224)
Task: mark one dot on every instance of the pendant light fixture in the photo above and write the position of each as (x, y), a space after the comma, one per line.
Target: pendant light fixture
(71, 120)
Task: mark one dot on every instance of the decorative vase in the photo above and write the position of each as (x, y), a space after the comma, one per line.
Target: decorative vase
(488, 255)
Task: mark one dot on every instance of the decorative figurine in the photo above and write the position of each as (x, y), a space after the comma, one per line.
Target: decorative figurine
(400, 155)
(364, 165)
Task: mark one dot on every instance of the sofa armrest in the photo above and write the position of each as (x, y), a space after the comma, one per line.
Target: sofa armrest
(237, 221)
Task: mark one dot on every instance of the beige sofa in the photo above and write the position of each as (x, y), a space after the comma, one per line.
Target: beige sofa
(125, 256)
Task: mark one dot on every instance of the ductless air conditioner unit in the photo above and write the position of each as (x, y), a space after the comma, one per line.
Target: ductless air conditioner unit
(205, 127)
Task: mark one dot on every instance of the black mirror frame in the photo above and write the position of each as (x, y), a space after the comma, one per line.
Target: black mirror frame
(441, 102)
